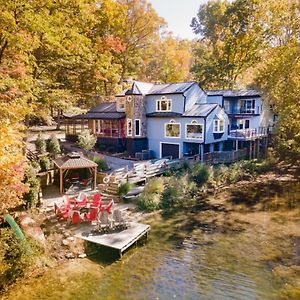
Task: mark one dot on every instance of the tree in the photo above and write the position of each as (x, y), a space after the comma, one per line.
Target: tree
(86, 140)
(54, 146)
(231, 40)
(40, 144)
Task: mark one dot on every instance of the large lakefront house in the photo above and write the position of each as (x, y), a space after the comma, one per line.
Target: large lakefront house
(177, 119)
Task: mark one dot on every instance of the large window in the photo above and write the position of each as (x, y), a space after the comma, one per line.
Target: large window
(129, 127)
(172, 129)
(194, 131)
(137, 127)
(247, 106)
(218, 126)
(163, 104)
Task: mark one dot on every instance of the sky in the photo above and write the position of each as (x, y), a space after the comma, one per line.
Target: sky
(178, 14)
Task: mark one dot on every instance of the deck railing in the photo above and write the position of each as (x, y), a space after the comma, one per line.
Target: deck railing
(224, 156)
(249, 133)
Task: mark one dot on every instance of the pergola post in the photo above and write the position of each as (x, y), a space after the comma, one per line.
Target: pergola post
(95, 178)
(60, 181)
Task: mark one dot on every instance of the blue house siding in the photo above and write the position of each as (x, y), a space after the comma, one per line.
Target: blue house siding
(177, 102)
(156, 134)
(193, 95)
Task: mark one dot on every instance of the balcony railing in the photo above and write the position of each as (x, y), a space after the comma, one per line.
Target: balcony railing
(249, 133)
(224, 156)
(242, 111)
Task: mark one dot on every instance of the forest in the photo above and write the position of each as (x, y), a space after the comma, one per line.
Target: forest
(58, 55)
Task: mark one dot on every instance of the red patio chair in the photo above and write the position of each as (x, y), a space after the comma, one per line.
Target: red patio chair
(92, 215)
(82, 200)
(74, 216)
(62, 211)
(108, 207)
(96, 200)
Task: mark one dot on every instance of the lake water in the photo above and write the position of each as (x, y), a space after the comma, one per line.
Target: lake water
(248, 248)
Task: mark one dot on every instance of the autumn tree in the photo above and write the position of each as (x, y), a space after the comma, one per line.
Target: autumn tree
(230, 39)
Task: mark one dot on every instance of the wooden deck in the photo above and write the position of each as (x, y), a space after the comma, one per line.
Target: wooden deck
(117, 240)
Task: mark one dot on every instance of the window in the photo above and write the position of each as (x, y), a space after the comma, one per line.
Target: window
(129, 98)
(194, 131)
(129, 127)
(172, 129)
(248, 106)
(218, 126)
(163, 104)
(244, 124)
(137, 127)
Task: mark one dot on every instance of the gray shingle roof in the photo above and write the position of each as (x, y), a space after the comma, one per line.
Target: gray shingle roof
(170, 88)
(233, 93)
(105, 111)
(164, 114)
(74, 162)
(200, 110)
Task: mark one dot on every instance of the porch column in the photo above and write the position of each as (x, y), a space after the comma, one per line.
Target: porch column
(94, 126)
(211, 147)
(201, 152)
(236, 145)
(221, 146)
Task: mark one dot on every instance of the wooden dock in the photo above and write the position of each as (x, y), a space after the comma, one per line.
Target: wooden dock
(117, 240)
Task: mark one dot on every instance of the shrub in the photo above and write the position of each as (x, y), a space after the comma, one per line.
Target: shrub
(149, 202)
(154, 185)
(40, 144)
(102, 164)
(31, 197)
(86, 140)
(179, 193)
(200, 174)
(124, 188)
(45, 163)
(36, 165)
(54, 146)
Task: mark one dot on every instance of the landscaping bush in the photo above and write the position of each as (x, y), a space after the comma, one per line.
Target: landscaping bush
(86, 140)
(102, 164)
(154, 185)
(53, 146)
(40, 144)
(149, 202)
(200, 174)
(124, 188)
(179, 193)
(31, 197)
(45, 163)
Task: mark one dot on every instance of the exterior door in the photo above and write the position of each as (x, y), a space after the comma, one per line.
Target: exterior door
(170, 150)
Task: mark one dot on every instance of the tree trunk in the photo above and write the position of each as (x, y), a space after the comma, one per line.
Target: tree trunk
(59, 114)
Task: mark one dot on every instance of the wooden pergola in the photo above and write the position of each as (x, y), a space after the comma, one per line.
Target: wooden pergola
(74, 161)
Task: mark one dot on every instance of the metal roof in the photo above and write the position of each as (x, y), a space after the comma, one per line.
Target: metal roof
(105, 107)
(233, 93)
(164, 114)
(104, 111)
(101, 116)
(74, 161)
(170, 88)
(200, 110)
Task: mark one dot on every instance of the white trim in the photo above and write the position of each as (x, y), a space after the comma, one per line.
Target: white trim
(158, 104)
(194, 122)
(172, 122)
(218, 131)
(128, 119)
(129, 98)
(139, 127)
(160, 148)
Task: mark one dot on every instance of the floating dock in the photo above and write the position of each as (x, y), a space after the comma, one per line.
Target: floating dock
(117, 240)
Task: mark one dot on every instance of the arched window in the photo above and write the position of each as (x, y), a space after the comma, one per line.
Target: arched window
(129, 98)
(163, 104)
(172, 129)
(194, 130)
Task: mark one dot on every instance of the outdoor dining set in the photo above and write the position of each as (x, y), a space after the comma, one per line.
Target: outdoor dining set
(92, 210)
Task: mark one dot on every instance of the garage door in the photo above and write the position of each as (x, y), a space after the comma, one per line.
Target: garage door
(170, 150)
